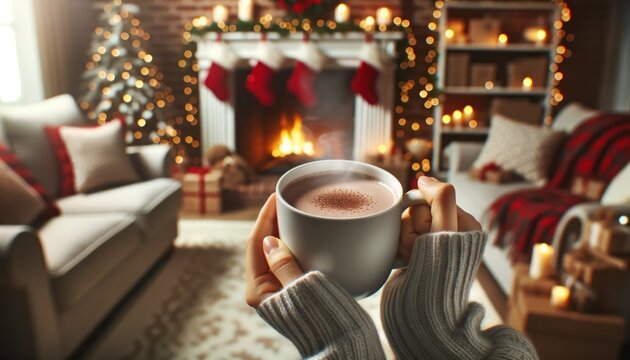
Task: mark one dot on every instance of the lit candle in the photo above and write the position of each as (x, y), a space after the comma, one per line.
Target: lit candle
(245, 10)
(541, 35)
(457, 118)
(560, 297)
(383, 16)
(342, 13)
(449, 34)
(219, 14)
(542, 261)
(468, 112)
(503, 39)
(528, 83)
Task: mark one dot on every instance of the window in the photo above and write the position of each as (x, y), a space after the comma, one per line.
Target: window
(10, 82)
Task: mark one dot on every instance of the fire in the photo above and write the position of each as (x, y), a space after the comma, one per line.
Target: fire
(293, 141)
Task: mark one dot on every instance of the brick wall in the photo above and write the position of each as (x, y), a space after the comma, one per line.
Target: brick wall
(165, 20)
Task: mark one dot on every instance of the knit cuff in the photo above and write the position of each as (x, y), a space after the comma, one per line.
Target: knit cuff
(425, 309)
(322, 320)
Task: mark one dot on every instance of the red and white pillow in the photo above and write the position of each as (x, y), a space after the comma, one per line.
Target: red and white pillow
(91, 158)
(23, 201)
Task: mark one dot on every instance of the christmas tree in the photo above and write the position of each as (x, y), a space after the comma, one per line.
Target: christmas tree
(121, 80)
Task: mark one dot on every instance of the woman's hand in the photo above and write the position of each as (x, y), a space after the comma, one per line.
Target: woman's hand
(442, 214)
(269, 263)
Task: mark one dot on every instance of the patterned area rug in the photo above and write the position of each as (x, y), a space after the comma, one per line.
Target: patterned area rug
(194, 308)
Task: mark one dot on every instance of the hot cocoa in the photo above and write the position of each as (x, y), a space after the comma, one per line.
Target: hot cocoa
(339, 194)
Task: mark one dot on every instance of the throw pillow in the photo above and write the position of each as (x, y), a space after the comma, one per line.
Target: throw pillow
(19, 203)
(528, 150)
(571, 116)
(618, 191)
(98, 156)
(22, 199)
(64, 165)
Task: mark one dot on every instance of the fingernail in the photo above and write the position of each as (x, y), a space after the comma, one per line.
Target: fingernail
(270, 244)
(427, 180)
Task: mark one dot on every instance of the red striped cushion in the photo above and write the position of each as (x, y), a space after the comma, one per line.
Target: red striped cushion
(16, 165)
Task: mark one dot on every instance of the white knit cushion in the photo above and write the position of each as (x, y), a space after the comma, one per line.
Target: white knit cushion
(20, 204)
(618, 191)
(98, 156)
(525, 149)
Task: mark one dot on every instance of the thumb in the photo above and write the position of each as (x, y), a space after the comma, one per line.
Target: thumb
(281, 262)
(441, 198)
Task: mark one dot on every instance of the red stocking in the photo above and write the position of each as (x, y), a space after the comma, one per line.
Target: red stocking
(224, 60)
(259, 83)
(300, 84)
(364, 83)
(217, 81)
(309, 61)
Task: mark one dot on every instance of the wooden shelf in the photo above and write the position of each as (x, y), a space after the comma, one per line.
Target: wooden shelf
(518, 48)
(501, 5)
(497, 90)
(464, 131)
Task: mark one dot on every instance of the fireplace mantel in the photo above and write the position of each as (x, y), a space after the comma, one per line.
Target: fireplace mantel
(373, 124)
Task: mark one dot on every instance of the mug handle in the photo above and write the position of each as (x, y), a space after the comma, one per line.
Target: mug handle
(410, 198)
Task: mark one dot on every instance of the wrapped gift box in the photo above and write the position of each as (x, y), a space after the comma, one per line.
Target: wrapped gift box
(201, 188)
(560, 334)
(604, 275)
(614, 240)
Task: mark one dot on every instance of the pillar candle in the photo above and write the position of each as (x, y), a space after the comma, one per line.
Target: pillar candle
(560, 297)
(219, 14)
(383, 16)
(342, 13)
(245, 10)
(542, 261)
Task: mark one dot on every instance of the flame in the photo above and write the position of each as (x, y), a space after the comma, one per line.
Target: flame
(293, 141)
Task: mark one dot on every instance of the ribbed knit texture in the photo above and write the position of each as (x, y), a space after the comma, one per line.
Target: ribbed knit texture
(322, 320)
(425, 309)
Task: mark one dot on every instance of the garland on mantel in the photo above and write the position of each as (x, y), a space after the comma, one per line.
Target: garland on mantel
(267, 24)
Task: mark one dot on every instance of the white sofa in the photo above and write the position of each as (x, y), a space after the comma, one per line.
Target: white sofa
(476, 197)
(59, 282)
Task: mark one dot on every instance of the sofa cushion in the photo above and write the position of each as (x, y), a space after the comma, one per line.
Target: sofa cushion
(475, 197)
(571, 116)
(153, 202)
(618, 191)
(82, 249)
(24, 131)
(98, 156)
(527, 150)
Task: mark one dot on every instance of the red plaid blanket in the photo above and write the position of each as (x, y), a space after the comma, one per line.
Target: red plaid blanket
(598, 149)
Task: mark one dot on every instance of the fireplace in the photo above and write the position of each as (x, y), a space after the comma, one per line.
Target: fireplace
(273, 139)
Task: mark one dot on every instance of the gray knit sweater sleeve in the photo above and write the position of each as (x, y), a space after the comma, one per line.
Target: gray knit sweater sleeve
(322, 320)
(425, 308)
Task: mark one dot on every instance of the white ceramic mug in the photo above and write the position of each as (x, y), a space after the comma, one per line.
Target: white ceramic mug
(358, 253)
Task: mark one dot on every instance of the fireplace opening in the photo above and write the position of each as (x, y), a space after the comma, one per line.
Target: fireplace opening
(275, 139)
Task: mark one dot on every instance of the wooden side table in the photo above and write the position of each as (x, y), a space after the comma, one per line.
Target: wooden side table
(562, 334)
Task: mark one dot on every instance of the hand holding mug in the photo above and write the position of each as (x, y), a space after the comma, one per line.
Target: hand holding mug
(270, 265)
(440, 214)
